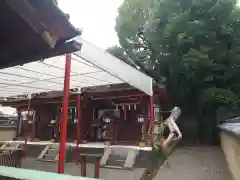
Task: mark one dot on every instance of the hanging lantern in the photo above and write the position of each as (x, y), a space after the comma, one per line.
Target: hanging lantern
(135, 107)
(75, 120)
(53, 121)
(106, 119)
(140, 118)
(125, 113)
(93, 114)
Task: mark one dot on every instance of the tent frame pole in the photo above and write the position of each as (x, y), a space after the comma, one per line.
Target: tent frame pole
(64, 118)
(27, 119)
(78, 126)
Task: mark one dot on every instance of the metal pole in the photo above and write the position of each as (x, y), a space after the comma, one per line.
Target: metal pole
(57, 123)
(33, 125)
(27, 123)
(63, 132)
(78, 126)
(151, 117)
(19, 124)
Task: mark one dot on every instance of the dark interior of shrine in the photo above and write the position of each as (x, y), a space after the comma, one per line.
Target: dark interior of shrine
(118, 120)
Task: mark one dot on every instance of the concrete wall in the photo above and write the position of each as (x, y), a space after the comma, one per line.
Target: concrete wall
(7, 133)
(231, 146)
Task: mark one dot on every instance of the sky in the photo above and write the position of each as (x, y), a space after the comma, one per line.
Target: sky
(95, 17)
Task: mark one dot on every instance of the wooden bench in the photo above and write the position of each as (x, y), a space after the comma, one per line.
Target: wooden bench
(11, 157)
(83, 161)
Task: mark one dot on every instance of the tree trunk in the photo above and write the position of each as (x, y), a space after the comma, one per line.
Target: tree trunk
(156, 160)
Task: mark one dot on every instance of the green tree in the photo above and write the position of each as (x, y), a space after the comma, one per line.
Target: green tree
(119, 52)
(191, 46)
(195, 55)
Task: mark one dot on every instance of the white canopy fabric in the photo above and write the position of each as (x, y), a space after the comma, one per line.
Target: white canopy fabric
(90, 66)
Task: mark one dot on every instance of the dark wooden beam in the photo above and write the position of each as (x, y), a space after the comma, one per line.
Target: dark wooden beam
(31, 17)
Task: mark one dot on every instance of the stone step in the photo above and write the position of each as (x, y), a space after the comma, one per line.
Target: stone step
(116, 161)
(49, 157)
(113, 167)
(120, 151)
(49, 153)
(120, 160)
(53, 148)
(107, 152)
(11, 145)
(119, 157)
(131, 158)
(48, 160)
(52, 151)
(43, 152)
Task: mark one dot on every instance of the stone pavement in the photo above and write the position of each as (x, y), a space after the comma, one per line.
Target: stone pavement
(186, 163)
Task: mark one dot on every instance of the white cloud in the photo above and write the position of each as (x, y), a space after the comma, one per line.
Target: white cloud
(95, 17)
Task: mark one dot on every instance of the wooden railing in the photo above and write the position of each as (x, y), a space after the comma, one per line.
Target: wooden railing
(11, 157)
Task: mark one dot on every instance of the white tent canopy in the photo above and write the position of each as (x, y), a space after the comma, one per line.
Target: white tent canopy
(90, 66)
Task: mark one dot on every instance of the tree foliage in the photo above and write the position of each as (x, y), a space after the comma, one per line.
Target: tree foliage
(192, 46)
(118, 52)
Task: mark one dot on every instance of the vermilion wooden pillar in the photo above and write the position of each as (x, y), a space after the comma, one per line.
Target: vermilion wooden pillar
(33, 124)
(78, 126)
(97, 168)
(27, 123)
(57, 124)
(63, 132)
(19, 124)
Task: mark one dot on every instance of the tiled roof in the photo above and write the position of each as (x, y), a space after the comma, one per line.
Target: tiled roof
(231, 125)
(33, 30)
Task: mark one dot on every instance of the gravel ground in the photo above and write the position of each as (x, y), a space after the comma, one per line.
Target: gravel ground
(186, 163)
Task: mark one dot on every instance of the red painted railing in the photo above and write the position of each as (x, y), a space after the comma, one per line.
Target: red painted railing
(83, 162)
